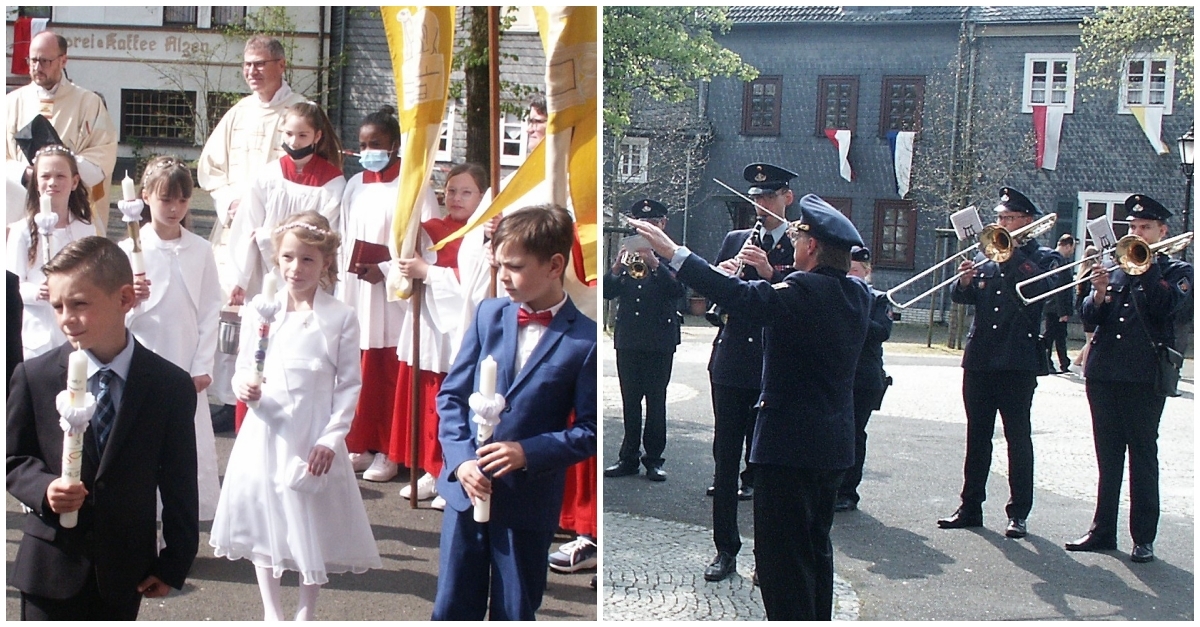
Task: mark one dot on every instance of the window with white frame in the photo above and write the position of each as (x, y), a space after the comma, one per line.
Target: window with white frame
(631, 159)
(512, 140)
(445, 147)
(1148, 81)
(1093, 205)
(1049, 80)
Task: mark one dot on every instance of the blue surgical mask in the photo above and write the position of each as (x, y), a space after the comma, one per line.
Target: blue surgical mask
(374, 160)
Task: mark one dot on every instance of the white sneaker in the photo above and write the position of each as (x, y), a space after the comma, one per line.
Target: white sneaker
(438, 503)
(381, 470)
(360, 461)
(577, 554)
(426, 488)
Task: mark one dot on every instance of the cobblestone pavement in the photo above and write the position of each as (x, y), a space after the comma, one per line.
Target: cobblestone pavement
(653, 576)
(891, 561)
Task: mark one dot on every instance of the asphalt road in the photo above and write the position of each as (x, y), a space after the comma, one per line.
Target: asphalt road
(899, 565)
(404, 589)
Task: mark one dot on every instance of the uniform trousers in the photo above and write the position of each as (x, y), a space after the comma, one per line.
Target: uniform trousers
(793, 512)
(734, 416)
(1009, 392)
(644, 374)
(487, 570)
(1056, 333)
(1125, 416)
(865, 402)
(87, 604)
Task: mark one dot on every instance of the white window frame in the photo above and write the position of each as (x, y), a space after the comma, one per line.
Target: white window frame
(1027, 103)
(1168, 97)
(446, 135)
(625, 169)
(512, 131)
(1111, 199)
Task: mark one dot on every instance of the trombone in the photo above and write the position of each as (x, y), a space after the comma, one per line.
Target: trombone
(995, 242)
(1131, 254)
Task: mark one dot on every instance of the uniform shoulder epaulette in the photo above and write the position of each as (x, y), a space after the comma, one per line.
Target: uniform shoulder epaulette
(782, 285)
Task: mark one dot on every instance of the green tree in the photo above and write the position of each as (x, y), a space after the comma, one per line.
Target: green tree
(1116, 33)
(662, 51)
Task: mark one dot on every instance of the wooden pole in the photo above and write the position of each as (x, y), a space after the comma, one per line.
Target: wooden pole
(494, 106)
(414, 445)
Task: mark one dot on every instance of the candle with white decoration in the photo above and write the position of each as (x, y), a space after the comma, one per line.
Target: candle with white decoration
(45, 220)
(269, 290)
(487, 389)
(72, 456)
(131, 209)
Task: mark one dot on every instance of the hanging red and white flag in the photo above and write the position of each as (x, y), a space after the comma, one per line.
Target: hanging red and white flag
(841, 141)
(1047, 125)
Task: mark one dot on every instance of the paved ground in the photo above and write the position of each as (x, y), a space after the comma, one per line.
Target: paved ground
(892, 561)
(219, 589)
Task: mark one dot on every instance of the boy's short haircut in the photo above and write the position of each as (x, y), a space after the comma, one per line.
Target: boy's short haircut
(541, 230)
(97, 259)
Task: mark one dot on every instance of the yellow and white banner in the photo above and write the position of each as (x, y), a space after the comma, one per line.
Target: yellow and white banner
(421, 42)
(1150, 118)
(569, 37)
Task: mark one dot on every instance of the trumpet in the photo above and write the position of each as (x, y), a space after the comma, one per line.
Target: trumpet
(634, 264)
(1131, 254)
(995, 242)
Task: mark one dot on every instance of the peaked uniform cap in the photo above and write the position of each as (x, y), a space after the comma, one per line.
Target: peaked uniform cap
(646, 208)
(765, 178)
(825, 223)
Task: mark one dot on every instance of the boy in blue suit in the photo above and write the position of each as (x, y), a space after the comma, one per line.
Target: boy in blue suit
(545, 350)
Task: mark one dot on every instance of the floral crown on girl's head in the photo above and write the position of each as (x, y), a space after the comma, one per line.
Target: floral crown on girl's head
(302, 225)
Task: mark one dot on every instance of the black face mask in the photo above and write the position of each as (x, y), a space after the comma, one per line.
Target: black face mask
(298, 154)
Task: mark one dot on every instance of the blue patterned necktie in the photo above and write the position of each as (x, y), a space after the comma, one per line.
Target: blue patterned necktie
(106, 410)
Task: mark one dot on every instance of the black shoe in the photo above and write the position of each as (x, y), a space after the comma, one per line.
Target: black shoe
(844, 504)
(620, 469)
(654, 473)
(961, 520)
(721, 567)
(1016, 528)
(754, 576)
(1093, 542)
(223, 418)
(1142, 553)
(745, 493)
(712, 489)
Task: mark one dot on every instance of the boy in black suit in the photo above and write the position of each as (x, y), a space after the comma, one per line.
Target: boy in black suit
(101, 568)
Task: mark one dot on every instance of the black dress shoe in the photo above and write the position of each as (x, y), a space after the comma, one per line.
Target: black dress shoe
(1016, 528)
(961, 520)
(721, 567)
(1142, 553)
(620, 469)
(712, 489)
(1093, 542)
(745, 493)
(654, 473)
(844, 504)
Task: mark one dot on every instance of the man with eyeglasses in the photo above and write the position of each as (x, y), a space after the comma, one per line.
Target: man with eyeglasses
(249, 134)
(735, 366)
(1000, 364)
(248, 137)
(78, 115)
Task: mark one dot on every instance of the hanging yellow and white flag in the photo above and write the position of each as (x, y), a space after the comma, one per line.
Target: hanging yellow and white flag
(1150, 118)
(421, 42)
(569, 36)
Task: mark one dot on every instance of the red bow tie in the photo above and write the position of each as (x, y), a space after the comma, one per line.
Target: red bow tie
(542, 317)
